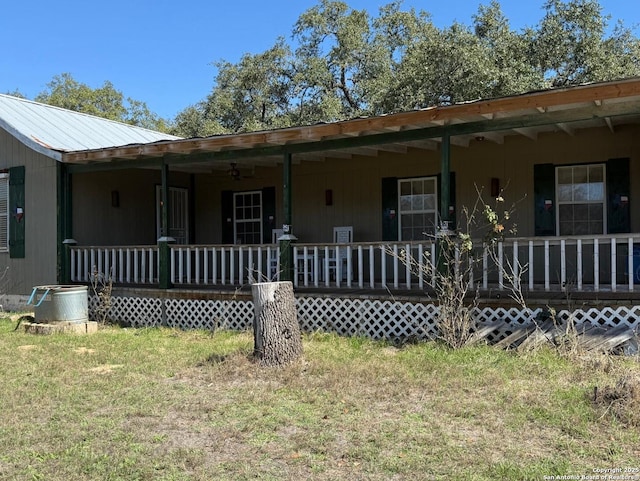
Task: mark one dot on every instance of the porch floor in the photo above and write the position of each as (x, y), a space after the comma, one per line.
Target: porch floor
(492, 297)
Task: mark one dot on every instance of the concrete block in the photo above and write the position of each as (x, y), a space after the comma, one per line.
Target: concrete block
(89, 327)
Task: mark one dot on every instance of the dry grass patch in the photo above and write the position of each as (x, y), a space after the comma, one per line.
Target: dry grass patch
(105, 368)
(621, 399)
(84, 350)
(193, 406)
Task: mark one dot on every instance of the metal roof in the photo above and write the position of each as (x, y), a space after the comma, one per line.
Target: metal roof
(52, 130)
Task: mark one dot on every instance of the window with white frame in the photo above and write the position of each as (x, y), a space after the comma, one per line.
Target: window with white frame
(4, 212)
(418, 207)
(247, 208)
(581, 199)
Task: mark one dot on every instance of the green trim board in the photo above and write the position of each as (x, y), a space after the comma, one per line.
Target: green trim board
(17, 214)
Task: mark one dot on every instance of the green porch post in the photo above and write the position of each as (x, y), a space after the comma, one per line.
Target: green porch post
(443, 230)
(286, 249)
(164, 249)
(65, 231)
(445, 176)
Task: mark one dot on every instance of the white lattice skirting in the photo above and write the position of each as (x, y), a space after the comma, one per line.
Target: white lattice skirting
(377, 319)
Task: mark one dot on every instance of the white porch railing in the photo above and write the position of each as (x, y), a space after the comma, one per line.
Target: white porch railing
(583, 263)
(125, 265)
(224, 264)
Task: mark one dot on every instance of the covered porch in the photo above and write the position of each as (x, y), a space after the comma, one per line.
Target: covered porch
(225, 211)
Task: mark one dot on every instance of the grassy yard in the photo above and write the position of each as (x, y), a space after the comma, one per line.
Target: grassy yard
(158, 404)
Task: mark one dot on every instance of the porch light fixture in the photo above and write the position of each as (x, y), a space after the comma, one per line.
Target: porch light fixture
(480, 138)
(234, 173)
(328, 197)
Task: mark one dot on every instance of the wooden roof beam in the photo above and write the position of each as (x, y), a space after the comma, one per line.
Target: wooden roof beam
(395, 148)
(609, 123)
(527, 132)
(322, 156)
(566, 128)
(421, 144)
(365, 151)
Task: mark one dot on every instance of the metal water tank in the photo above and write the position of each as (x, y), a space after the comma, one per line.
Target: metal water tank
(60, 304)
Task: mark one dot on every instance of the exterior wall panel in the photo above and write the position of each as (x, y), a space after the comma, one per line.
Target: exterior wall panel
(98, 221)
(39, 265)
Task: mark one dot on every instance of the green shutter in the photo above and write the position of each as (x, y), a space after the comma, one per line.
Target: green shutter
(4, 211)
(544, 197)
(226, 207)
(17, 214)
(618, 216)
(268, 213)
(390, 209)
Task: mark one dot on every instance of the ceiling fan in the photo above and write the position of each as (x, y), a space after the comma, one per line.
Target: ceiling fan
(235, 174)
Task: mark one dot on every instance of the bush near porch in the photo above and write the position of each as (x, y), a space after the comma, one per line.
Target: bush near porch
(166, 404)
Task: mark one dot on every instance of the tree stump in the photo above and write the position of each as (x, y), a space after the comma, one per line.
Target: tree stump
(276, 331)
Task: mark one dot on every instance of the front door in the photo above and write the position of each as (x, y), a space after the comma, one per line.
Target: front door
(178, 213)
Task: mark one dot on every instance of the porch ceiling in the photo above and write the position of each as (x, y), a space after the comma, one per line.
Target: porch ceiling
(609, 104)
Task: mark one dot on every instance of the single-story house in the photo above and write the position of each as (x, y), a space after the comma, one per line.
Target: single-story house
(33, 138)
(86, 195)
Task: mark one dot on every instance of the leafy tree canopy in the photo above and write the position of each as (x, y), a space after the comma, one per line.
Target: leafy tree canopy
(343, 63)
(16, 93)
(105, 101)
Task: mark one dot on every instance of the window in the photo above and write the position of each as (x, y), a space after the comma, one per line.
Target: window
(418, 208)
(581, 199)
(247, 208)
(4, 212)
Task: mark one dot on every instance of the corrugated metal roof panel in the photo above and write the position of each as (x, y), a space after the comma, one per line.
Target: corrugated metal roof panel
(52, 130)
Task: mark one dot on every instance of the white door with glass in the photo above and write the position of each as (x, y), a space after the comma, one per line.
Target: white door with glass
(418, 208)
(247, 226)
(178, 214)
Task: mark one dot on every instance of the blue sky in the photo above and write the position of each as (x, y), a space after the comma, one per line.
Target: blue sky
(161, 52)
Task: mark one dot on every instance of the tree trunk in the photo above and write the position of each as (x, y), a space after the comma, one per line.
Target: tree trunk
(276, 331)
